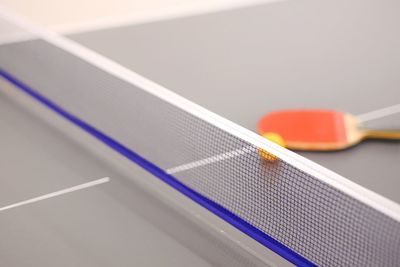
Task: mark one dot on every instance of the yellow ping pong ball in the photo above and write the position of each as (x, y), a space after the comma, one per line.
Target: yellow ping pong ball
(273, 137)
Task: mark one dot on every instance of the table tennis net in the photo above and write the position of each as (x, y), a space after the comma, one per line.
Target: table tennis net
(284, 206)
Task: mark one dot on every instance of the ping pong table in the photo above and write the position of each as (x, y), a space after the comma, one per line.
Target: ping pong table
(240, 64)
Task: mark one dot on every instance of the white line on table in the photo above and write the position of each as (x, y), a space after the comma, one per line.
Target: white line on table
(213, 159)
(376, 114)
(57, 193)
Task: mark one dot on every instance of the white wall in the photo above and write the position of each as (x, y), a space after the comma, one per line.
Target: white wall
(71, 14)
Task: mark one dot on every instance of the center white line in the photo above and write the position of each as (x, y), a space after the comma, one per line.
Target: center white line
(57, 193)
(377, 114)
(213, 159)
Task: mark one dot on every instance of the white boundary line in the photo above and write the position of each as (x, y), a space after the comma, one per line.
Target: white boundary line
(163, 14)
(167, 13)
(374, 200)
(379, 113)
(57, 193)
(14, 37)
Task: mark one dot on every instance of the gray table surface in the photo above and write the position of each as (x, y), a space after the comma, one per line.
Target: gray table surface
(120, 223)
(244, 63)
(240, 64)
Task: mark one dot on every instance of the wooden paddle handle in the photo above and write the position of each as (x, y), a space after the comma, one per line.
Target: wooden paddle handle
(376, 134)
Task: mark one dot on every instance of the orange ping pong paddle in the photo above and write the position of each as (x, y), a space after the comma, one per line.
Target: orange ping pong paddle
(318, 130)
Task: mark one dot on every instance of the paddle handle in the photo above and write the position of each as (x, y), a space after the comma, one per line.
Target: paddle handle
(382, 134)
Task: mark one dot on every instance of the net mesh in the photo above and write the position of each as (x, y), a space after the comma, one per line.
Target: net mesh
(312, 218)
